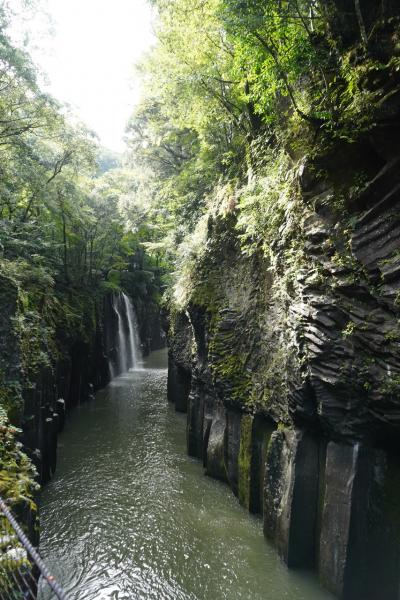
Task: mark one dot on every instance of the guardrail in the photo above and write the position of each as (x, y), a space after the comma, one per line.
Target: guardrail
(21, 566)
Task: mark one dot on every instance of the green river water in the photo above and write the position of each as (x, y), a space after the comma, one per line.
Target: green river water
(129, 516)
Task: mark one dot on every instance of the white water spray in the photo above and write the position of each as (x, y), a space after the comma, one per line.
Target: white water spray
(127, 341)
(133, 355)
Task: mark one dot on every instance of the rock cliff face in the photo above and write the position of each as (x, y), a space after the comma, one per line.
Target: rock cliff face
(41, 377)
(37, 389)
(292, 385)
(37, 400)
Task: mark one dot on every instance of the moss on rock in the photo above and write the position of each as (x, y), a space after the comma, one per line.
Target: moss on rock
(245, 451)
(17, 474)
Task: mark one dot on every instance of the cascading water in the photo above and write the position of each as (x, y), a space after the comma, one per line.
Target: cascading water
(125, 346)
(133, 354)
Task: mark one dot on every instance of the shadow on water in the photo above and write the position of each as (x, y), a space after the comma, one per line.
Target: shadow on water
(130, 516)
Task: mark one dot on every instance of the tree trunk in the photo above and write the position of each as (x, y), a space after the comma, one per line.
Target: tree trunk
(361, 23)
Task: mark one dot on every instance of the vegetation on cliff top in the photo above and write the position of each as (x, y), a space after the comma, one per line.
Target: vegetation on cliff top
(245, 104)
(241, 101)
(240, 96)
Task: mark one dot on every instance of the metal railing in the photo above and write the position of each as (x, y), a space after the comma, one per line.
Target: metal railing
(21, 566)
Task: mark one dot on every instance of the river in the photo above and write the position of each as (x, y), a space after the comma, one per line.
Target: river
(129, 516)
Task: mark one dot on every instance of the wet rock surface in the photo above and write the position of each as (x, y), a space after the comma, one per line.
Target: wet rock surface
(302, 389)
(80, 367)
(179, 363)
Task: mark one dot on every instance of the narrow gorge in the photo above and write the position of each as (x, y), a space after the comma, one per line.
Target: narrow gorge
(200, 333)
(129, 515)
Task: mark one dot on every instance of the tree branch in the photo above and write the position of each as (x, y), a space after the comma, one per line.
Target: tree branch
(272, 52)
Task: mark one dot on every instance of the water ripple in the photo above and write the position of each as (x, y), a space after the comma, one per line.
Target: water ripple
(130, 517)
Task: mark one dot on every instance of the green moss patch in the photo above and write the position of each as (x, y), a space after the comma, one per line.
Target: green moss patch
(245, 449)
(17, 474)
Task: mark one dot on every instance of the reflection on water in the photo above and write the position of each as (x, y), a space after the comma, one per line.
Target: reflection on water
(130, 516)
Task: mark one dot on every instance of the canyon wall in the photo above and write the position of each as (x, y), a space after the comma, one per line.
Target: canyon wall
(284, 325)
(44, 377)
(291, 383)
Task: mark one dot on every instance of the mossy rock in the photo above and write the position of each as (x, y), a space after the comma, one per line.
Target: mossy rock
(17, 474)
(245, 452)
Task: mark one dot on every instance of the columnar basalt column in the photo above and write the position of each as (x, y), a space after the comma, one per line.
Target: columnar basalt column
(262, 431)
(215, 464)
(195, 419)
(291, 495)
(232, 446)
(178, 385)
(360, 529)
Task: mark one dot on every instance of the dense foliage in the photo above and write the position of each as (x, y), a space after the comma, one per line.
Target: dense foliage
(256, 116)
(64, 243)
(239, 95)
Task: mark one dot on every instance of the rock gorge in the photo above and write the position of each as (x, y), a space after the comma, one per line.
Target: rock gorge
(83, 362)
(292, 398)
(264, 206)
(287, 361)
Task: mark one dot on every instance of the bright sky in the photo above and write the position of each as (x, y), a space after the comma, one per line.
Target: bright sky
(90, 60)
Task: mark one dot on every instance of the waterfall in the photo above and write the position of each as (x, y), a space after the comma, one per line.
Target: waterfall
(121, 345)
(125, 352)
(133, 354)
